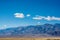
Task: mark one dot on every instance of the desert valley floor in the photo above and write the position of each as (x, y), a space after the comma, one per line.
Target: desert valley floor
(49, 38)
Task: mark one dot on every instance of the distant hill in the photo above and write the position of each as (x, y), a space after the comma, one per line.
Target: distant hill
(32, 31)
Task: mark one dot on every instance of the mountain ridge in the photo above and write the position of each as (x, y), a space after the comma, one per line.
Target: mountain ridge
(32, 31)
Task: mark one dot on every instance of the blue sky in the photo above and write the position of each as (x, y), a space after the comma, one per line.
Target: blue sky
(32, 8)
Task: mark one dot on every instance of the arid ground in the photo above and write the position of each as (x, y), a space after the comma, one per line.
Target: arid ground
(50, 38)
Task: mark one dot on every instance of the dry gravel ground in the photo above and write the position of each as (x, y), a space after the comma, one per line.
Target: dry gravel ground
(50, 38)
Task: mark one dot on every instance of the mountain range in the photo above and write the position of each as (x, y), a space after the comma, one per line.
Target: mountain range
(46, 30)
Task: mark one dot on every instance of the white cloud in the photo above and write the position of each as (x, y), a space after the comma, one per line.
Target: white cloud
(52, 18)
(49, 18)
(55, 18)
(5, 25)
(19, 15)
(28, 15)
(38, 18)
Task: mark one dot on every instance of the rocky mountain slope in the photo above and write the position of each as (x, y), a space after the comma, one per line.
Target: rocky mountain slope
(32, 31)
